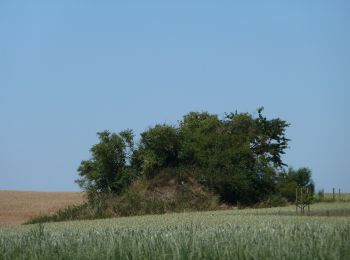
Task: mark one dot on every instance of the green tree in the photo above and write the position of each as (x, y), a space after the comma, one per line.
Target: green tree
(108, 170)
(199, 132)
(158, 149)
(289, 180)
(238, 156)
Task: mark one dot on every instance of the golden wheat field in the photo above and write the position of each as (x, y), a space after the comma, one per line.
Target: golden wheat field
(17, 207)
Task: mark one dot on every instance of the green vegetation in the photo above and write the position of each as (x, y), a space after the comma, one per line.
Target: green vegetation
(321, 196)
(237, 157)
(107, 171)
(288, 181)
(274, 233)
(156, 196)
(203, 163)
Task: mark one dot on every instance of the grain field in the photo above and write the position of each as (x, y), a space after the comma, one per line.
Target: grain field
(17, 207)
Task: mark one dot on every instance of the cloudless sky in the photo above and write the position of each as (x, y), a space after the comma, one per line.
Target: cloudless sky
(69, 69)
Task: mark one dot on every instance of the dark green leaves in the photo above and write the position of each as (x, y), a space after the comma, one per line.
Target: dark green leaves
(107, 169)
(239, 157)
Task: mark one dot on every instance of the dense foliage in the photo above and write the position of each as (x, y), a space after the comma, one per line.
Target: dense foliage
(107, 171)
(238, 157)
(288, 181)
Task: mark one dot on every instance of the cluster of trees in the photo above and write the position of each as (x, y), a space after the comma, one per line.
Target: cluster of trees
(238, 157)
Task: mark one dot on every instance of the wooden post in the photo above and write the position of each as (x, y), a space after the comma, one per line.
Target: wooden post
(308, 205)
(301, 200)
(296, 200)
(333, 193)
(322, 194)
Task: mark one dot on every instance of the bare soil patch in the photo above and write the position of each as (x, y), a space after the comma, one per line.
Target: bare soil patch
(17, 207)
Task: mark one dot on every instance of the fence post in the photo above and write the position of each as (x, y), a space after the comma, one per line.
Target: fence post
(296, 200)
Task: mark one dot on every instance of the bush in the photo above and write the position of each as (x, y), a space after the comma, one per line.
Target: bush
(158, 149)
(288, 181)
(191, 166)
(107, 171)
(275, 200)
(156, 196)
(69, 213)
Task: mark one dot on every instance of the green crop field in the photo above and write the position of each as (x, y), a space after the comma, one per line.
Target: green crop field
(275, 233)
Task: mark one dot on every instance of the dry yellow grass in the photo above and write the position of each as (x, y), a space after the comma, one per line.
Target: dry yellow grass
(17, 207)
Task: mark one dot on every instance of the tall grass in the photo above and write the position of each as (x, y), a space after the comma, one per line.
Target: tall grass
(230, 234)
(322, 196)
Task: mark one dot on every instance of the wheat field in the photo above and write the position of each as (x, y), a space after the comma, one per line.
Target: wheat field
(275, 233)
(17, 207)
(269, 233)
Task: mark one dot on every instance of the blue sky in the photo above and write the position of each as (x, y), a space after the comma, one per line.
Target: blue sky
(69, 69)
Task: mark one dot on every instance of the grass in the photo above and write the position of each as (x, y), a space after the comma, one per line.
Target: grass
(274, 233)
(328, 197)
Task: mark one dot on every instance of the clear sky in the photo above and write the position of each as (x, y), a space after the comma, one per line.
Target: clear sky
(69, 69)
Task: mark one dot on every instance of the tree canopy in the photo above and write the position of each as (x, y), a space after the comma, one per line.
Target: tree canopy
(107, 170)
(239, 157)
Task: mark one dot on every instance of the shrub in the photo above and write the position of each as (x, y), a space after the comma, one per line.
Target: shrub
(107, 171)
(288, 181)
